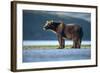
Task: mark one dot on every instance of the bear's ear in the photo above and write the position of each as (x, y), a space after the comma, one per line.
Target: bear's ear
(49, 21)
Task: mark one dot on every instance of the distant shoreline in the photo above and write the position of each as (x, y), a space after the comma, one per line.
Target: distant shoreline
(50, 42)
(53, 47)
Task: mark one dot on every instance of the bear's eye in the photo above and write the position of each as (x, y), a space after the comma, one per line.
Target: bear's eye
(51, 25)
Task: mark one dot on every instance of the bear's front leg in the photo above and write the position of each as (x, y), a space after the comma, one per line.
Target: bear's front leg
(61, 42)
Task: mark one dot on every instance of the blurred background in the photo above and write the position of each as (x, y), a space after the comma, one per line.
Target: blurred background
(34, 20)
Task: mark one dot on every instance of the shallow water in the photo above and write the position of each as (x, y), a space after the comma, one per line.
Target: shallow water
(41, 55)
(51, 42)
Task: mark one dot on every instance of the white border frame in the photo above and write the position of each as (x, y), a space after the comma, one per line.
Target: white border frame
(35, 65)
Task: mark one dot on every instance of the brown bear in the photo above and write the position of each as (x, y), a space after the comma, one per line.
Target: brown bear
(69, 31)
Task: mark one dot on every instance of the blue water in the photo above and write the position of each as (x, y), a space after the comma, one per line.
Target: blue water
(41, 55)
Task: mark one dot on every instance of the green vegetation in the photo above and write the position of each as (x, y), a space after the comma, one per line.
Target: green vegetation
(52, 47)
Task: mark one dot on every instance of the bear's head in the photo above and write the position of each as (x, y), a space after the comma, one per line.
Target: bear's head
(48, 25)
